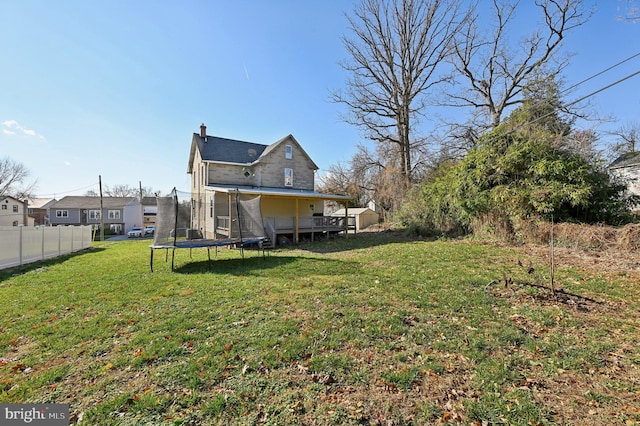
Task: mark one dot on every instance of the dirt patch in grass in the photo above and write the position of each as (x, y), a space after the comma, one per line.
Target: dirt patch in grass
(604, 389)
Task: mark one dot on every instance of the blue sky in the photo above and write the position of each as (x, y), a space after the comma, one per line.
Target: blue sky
(117, 88)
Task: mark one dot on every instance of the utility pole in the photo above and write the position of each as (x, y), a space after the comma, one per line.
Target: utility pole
(141, 206)
(101, 210)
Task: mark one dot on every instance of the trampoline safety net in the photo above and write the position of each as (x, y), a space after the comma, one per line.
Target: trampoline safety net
(174, 226)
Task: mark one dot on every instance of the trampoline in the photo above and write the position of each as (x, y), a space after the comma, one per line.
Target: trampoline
(244, 226)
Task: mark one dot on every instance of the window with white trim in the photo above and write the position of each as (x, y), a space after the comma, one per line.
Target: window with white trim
(288, 152)
(62, 213)
(15, 208)
(114, 214)
(288, 177)
(4, 207)
(94, 214)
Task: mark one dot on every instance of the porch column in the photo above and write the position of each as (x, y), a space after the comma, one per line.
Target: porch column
(229, 234)
(346, 218)
(296, 230)
(214, 216)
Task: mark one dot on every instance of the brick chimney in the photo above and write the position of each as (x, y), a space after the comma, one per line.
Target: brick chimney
(203, 130)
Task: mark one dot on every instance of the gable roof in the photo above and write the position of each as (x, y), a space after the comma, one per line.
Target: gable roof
(290, 139)
(82, 202)
(232, 151)
(41, 203)
(6, 197)
(626, 160)
(149, 201)
(223, 150)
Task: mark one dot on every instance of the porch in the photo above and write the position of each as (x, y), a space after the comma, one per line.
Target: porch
(275, 226)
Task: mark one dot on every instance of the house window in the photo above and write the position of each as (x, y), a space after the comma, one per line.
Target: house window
(15, 223)
(288, 152)
(15, 209)
(94, 214)
(288, 177)
(114, 214)
(4, 207)
(62, 213)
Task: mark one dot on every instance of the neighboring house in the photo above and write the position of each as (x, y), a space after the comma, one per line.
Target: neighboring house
(120, 213)
(149, 210)
(359, 218)
(13, 212)
(627, 168)
(281, 173)
(39, 210)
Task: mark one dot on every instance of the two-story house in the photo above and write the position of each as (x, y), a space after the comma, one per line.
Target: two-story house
(282, 174)
(119, 214)
(13, 212)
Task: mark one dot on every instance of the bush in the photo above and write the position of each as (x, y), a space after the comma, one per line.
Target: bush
(509, 178)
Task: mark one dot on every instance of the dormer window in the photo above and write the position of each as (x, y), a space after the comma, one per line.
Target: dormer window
(288, 152)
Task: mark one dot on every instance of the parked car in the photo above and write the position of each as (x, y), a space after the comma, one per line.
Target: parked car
(149, 230)
(135, 232)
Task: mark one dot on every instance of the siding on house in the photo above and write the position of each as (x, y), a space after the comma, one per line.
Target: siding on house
(13, 212)
(627, 168)
(124, 211)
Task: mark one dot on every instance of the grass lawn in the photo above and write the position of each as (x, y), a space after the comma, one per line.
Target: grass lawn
(375, 329)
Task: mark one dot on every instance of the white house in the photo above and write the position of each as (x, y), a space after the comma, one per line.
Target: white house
(13, 212)
(627, 168)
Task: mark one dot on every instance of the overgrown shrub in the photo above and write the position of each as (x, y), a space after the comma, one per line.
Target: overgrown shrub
(509, 178)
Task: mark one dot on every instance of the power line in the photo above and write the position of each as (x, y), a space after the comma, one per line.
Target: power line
(54, 194)
(602, 89)
(602, 72)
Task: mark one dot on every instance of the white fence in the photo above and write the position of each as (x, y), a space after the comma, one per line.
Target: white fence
(25, 244)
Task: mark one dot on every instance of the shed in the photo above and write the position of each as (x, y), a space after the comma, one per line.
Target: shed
(363, 217)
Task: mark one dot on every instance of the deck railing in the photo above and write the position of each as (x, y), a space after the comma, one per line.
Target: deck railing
(280, 225)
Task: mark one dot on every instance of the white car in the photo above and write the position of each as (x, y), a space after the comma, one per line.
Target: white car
(135, 232)
(149, 230)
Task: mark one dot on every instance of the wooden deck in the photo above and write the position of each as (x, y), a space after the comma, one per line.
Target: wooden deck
(314, 226)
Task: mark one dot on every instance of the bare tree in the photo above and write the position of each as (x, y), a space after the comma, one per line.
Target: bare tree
(496, 69)
(630, 11)
(123, 190)
(340, 179)
(396, 50)
(13, 176)
(628, 138)
(583, 143)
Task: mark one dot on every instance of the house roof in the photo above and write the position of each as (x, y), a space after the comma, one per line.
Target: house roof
(233, 151)
(5, 197)
(279, 192)
(81, 202)
(217, 149)
(626, 160)
(149, 201)
(41, 203)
